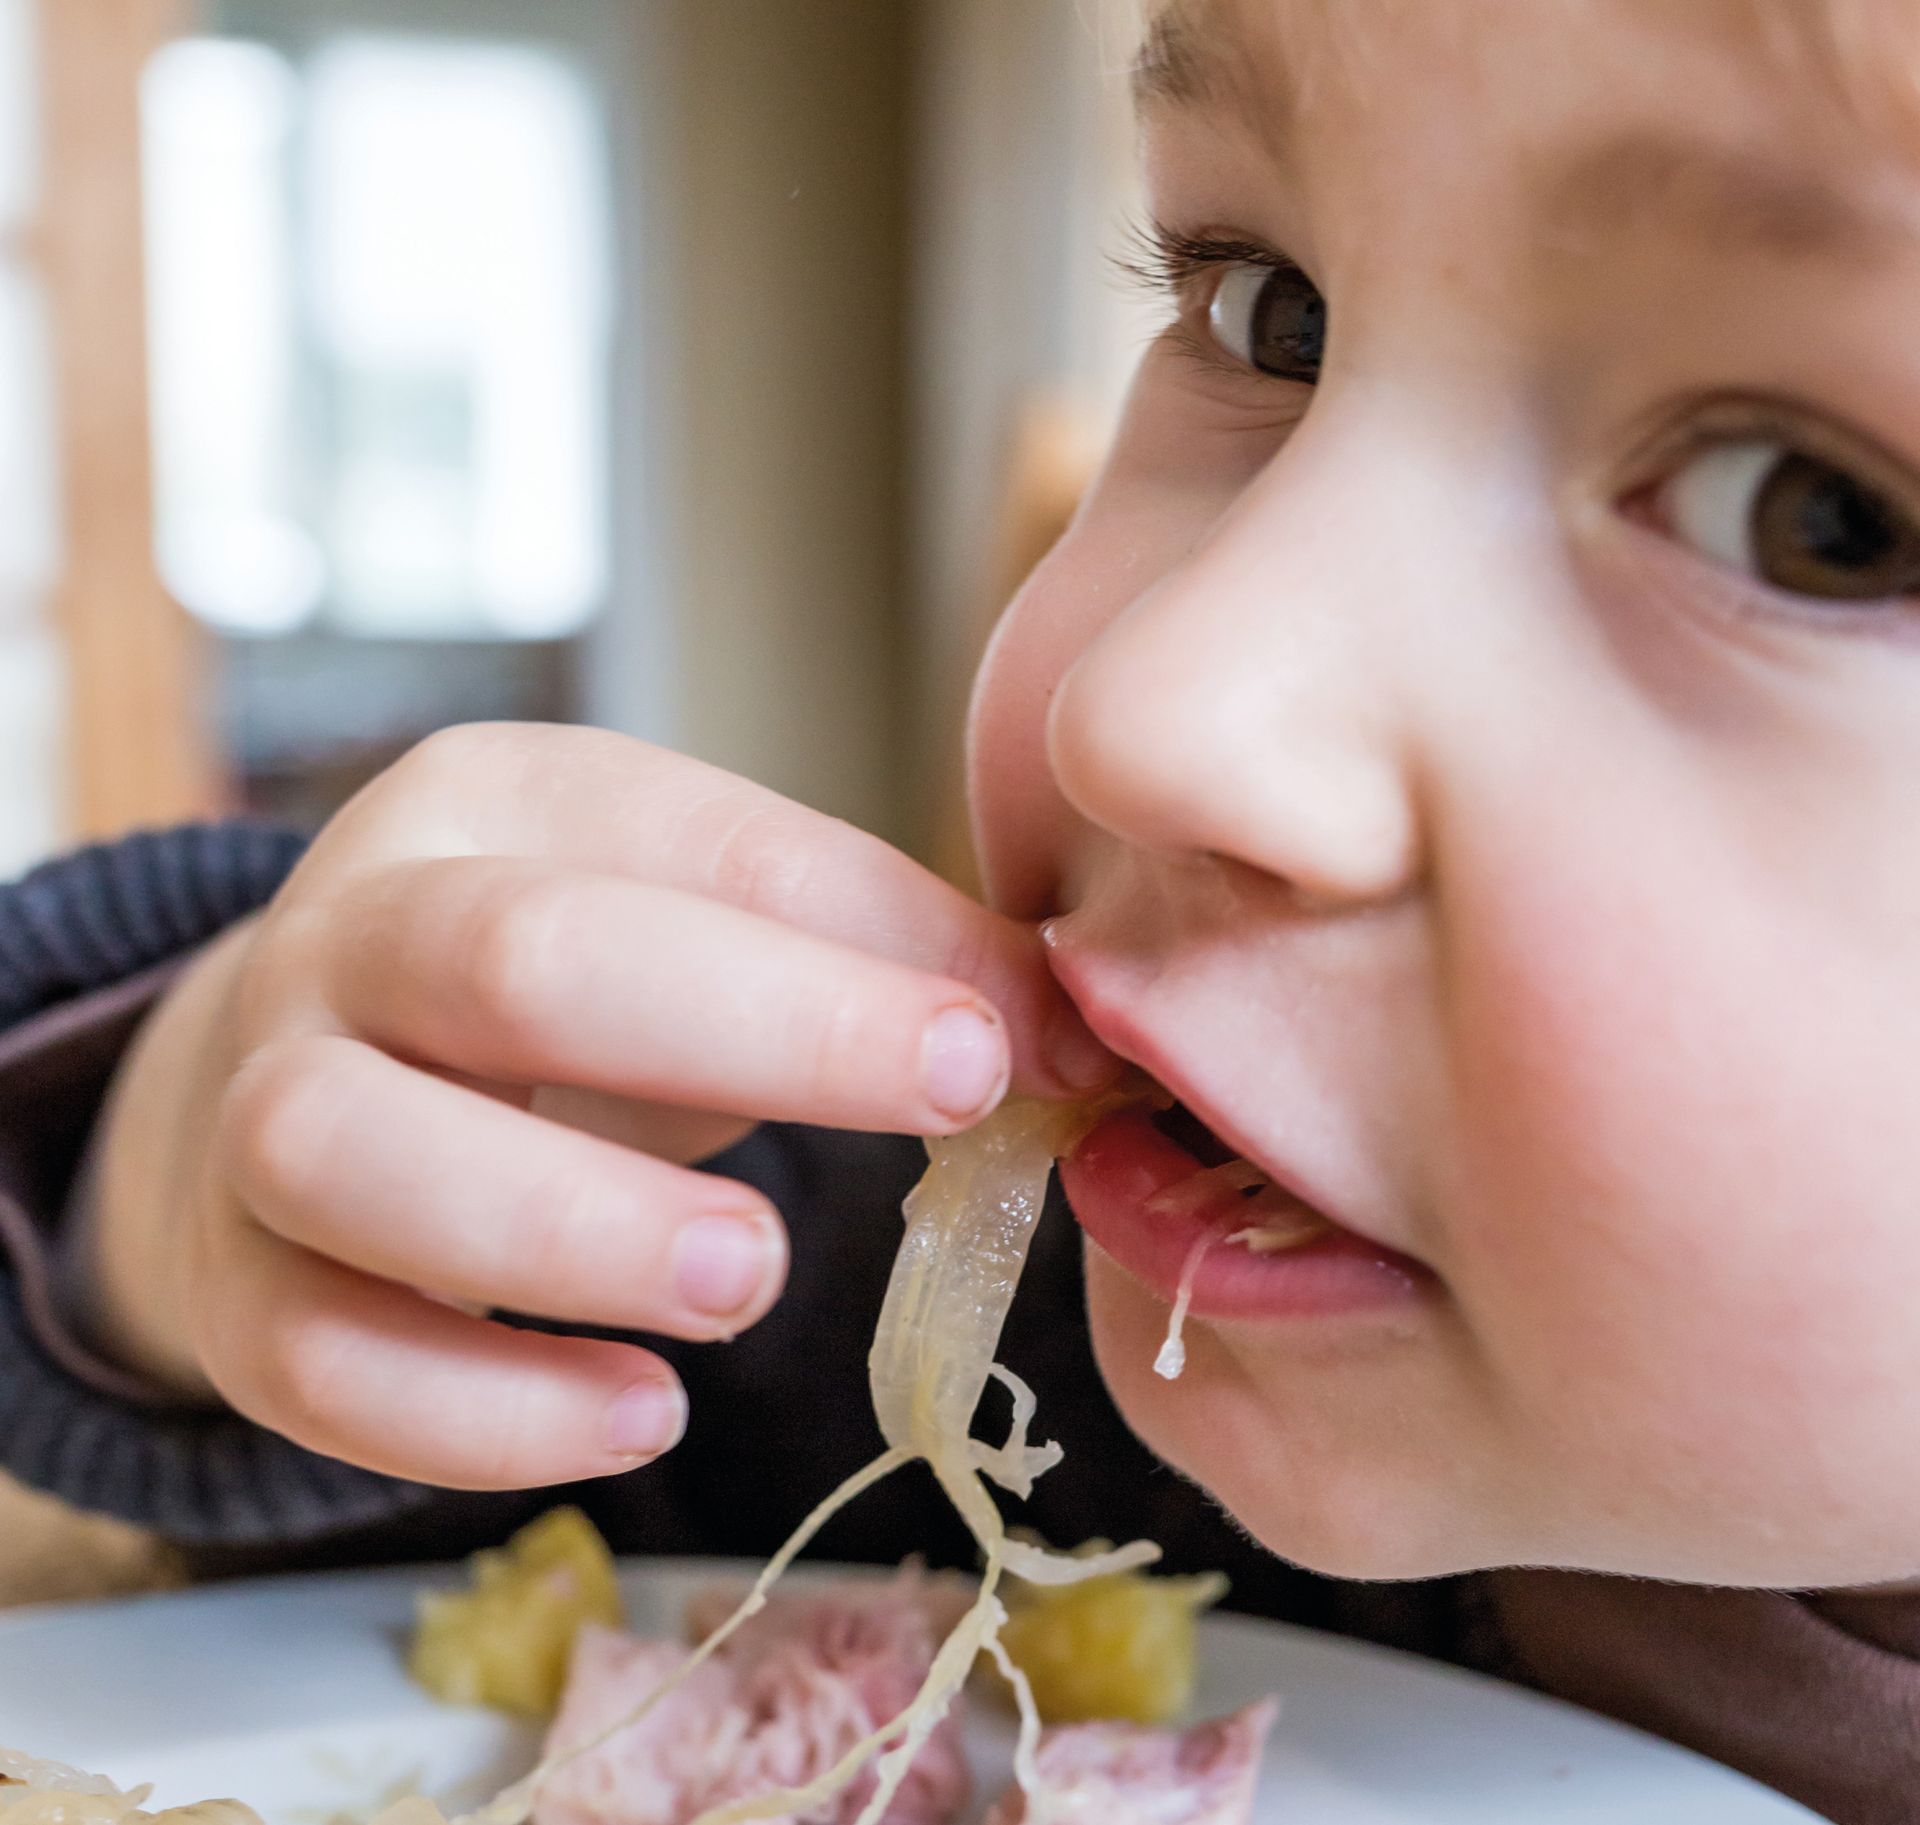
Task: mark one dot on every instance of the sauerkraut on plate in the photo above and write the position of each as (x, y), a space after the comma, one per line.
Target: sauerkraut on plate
(969, 1224)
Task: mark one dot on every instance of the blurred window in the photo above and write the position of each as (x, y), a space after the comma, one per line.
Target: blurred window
(380, 292)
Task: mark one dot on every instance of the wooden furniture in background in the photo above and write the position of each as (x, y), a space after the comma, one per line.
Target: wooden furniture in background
(137, 742)
(139, 748)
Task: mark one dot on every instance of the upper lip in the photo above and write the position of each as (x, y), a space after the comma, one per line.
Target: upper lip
(1123, 1033)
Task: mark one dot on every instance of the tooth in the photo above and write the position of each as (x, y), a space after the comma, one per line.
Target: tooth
(1286, 1224)
(1273, 1241)
(1194, 1193)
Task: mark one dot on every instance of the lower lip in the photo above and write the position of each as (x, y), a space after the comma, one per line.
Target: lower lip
(1111, 1180)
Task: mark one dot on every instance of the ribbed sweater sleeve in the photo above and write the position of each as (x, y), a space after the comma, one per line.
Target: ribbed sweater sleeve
(102, 914)
(87, 944)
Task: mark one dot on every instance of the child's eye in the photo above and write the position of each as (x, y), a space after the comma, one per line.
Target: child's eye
(1271, 318)
(1793, 521)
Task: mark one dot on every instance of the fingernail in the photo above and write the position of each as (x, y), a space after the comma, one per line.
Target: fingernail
(1077, 1058)
(964, 1064)
(648, 1419)
(720, 1264)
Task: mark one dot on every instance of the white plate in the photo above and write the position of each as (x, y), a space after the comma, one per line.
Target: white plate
(289, 1694)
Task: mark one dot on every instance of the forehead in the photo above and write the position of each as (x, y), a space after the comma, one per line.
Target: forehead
(1858, 59)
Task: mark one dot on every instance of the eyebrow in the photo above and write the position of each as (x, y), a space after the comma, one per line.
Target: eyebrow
(1726, 199)
(1177, 64)
(1733, 200)
(1195, 55)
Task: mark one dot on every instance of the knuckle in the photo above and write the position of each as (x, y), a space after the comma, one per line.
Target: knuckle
(283, 1112)
(762, 861)
(838, 1041)
(562, 1223)
(289, 1375)
(457, 761)
(514, 951)
(453, 758)
(305, 1370)
(510, 1445)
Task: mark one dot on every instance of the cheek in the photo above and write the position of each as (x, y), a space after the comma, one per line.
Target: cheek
(1679, 1194)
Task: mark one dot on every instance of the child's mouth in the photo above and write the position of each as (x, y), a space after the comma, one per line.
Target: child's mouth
(1172, 1203)
(1185, 1129)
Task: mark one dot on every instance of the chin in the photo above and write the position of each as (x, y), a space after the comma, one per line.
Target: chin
(1299, 1488)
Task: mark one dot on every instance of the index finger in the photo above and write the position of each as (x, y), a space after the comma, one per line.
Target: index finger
(595, 800)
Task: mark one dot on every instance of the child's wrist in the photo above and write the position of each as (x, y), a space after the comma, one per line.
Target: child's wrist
(125, 1276)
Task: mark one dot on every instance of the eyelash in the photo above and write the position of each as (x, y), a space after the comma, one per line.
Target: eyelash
(1173, 264)
(1179, 267)
(1170, 262)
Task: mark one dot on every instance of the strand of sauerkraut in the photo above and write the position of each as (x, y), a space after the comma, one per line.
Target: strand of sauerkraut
(37, 1792)
(1171, 1363)
(1287, 1227)
(970, 1222)
(512, 1805)
(1185, 1199)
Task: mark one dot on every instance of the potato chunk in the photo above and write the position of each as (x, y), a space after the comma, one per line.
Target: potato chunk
(506, 1640)
(1122, 1648)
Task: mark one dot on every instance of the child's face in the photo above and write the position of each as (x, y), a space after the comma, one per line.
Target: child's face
(1481, 773)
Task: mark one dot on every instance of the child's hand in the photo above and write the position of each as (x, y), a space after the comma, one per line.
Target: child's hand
(517, 943)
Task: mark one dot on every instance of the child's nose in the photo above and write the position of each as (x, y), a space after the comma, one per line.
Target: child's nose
(1245, 706)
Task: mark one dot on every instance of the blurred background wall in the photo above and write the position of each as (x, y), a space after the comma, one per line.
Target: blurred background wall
(709, 369)
(703, 368)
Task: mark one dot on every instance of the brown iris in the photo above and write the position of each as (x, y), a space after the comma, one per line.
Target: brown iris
(1817, 531)
(1289, 326)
